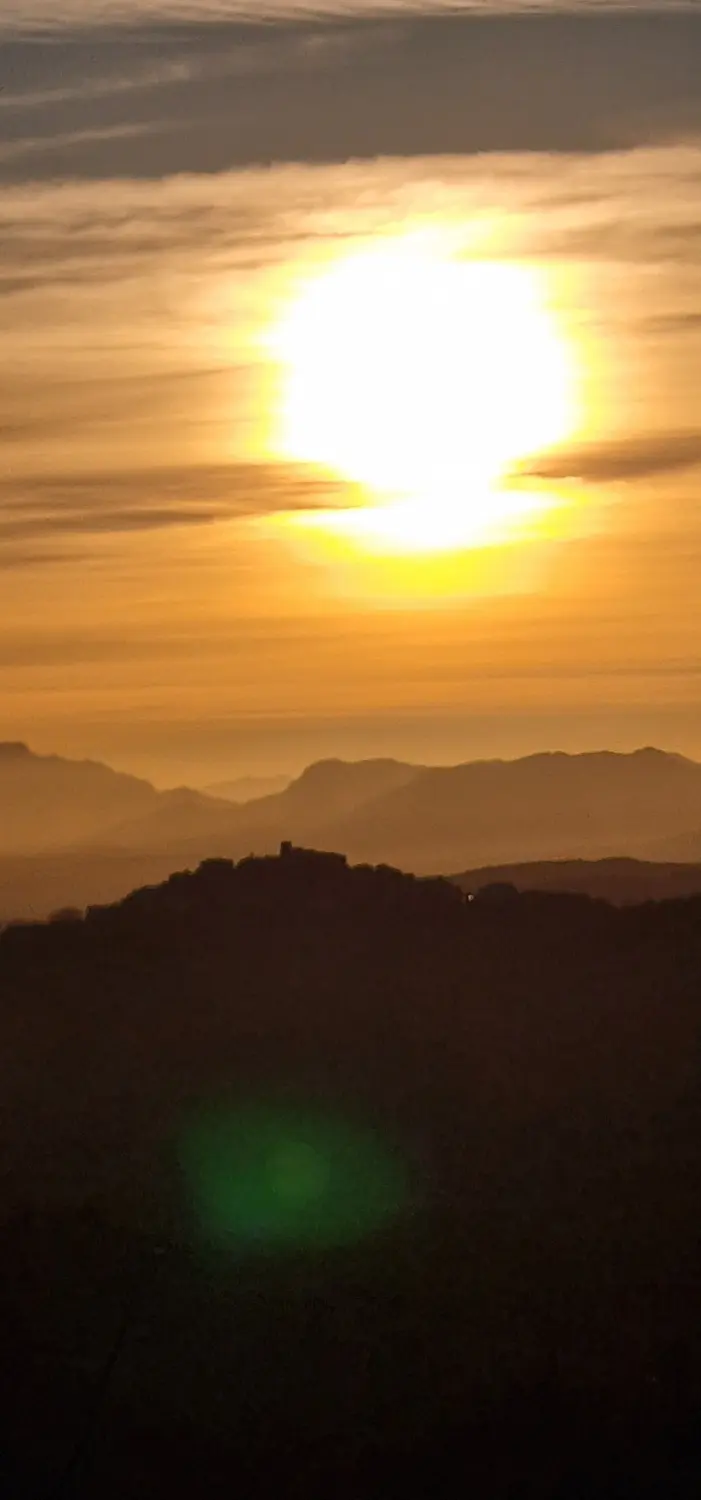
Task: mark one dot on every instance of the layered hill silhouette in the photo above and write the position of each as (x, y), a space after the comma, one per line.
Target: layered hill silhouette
(50, 803)
(549, 806)
(77, 832)
(623, 882)
(435, 819)
(349, 1179)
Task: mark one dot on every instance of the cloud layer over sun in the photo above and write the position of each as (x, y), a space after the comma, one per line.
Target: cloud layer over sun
(177, 276)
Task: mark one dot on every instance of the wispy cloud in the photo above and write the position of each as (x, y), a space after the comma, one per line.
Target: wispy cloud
(621, 462)
(92, 522)
(131, 313)
(222, 490)
(102, 86)
(125, 398)
(241, 52)
(42, 511)
(40, 15)
(51, 145)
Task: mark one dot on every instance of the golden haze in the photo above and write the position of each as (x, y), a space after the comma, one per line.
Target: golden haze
(308, 465)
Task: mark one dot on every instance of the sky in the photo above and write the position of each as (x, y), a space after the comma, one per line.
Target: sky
(350, 390)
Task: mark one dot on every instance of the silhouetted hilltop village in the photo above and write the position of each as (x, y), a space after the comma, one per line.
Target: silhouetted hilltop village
(300, 884)
(527, 1064)
(297, 884)
(306, 880)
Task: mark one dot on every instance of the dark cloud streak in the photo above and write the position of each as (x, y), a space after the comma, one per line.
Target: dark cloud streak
(47, 509)
(620, 462)
(328, 93)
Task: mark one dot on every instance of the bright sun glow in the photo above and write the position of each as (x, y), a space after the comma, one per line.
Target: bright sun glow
(424, 379)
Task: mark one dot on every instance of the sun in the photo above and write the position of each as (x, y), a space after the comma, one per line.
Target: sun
(422, 378)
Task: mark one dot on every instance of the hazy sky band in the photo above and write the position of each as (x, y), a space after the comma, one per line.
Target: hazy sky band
(50, 16)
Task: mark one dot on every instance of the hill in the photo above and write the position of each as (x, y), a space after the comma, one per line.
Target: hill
(197, 826)
(327, 792)
(624, 882)
(543, 807)
(352, 1185)
(433, 819)
(75, 833)
(48, 803)
(66, 846)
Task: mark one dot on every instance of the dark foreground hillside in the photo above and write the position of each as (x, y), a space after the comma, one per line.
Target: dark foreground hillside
(325, 1181)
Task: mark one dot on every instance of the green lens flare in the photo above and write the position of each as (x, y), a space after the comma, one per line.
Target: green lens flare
(261, 1177)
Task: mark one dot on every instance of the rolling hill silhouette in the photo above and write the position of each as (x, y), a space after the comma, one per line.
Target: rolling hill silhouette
(51, 803)
(428, 819)
(433, 819)
(624, 882)
(356, 1182)
(78, 832)
(544, 807)
(47, 802)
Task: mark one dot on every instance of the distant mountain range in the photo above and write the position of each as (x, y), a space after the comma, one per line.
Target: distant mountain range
(74, 832)
(49, 804)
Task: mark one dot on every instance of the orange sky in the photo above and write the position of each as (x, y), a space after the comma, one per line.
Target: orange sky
(158, 610)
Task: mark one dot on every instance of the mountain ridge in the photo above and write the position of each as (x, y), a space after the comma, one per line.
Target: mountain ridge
(431, 820)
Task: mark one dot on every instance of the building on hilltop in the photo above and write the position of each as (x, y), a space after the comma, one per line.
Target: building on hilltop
(312, 859)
